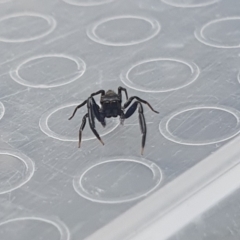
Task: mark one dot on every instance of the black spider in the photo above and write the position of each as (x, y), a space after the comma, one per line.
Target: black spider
(111, 106)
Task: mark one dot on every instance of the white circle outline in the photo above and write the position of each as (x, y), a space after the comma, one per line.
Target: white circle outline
(156, 27)
(199, 34)
(2, 108)
(60, 226)
(73, 2)
(50, 20)
(124, 76)
(43, 124)
(29, 164)
(190, 5)
(14, 73)
(157, 178)
(238, 77)
(164, 125)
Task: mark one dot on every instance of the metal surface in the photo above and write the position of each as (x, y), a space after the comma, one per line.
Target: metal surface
(181, 56)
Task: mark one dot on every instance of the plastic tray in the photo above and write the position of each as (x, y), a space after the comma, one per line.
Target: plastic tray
(181, 56)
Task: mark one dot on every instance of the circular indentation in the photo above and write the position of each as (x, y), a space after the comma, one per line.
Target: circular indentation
(189, 3)
(27, 26)
(201, 125)
(220, 33)
(55, 124)
(160, 75)
(34, 228)
(88, 3)
(48, 71)
(118, 180)
(16, 169)
(120, 30)
(2, 110)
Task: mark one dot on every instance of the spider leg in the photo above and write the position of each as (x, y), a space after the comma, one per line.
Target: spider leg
(140, 100)
(98, 92)
(141, 118)
(120, 89)
(97, 113)
(81, 129)
(96, 109)
(91, 119)
(82, 104)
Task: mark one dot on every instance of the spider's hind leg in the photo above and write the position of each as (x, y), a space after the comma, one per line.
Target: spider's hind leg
(141, 118)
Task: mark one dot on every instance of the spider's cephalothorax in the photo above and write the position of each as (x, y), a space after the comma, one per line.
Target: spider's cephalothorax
(111, 106)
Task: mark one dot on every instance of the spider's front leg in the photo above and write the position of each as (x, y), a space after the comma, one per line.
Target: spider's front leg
(92, 108)
(141, 118)
(81, 129)
(97, 113)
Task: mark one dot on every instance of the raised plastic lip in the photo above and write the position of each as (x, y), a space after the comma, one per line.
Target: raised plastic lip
(176, 204)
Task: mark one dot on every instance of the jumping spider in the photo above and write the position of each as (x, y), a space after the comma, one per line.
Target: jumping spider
(111, 107)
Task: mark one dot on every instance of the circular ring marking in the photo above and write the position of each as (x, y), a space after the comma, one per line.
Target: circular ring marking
(91, 31)
(60, 226)
(28, 164)
(2, 110)
(187, 5)
(43, 124)
(238, 77)
(199, 34)
(164, 126)
(81, 68)
(195, 72)
(157, 178)
(88, 4)
(50, 20)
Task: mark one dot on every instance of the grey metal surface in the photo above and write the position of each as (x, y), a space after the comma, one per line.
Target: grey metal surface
(181, 56)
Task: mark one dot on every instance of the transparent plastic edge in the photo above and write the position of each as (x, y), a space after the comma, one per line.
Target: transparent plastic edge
(177, 203)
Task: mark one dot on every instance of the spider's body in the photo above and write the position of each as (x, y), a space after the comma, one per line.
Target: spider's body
(111, 106)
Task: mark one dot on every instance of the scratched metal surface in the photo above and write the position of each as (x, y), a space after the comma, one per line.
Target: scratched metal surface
(181, 56)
